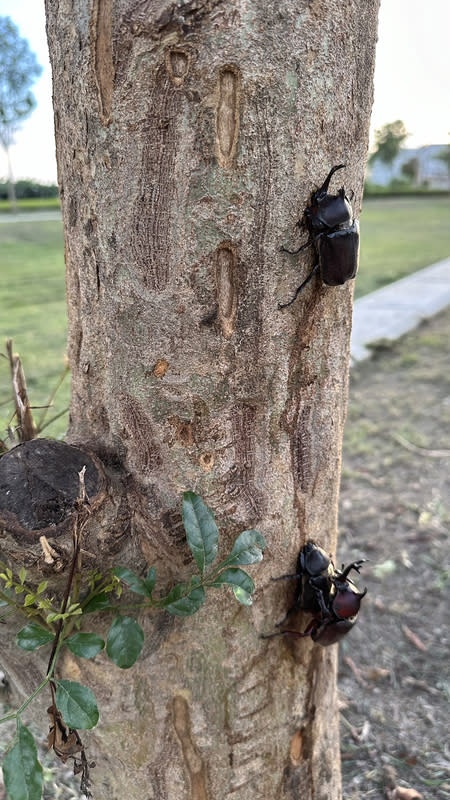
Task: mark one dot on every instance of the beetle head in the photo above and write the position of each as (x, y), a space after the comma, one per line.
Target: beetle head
(313, 560)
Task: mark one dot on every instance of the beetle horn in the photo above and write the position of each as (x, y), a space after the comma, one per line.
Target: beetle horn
(356, 565)
(324, 189)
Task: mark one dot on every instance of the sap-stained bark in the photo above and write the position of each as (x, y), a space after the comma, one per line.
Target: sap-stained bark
(189, 139)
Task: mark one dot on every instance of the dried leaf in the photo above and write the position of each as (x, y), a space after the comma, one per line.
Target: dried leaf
(376, 673)
(417, 684)
(402, 793)
(385, 569)
(63, 740)
(356, 671)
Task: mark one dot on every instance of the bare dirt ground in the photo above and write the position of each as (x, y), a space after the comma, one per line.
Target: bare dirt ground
(395, 511)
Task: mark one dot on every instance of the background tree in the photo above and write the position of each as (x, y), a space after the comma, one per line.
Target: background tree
(410, 169)
(189, 139)
(18, 71)
(388, 140)
(444, 155)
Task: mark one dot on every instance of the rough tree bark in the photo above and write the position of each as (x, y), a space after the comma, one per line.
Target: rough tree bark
(189, 138)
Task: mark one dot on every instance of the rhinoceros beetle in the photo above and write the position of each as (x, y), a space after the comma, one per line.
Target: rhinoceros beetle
(326, 593)
(334, 233)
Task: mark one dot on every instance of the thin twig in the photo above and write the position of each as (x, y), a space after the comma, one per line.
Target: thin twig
(420, 451)
(26, 426)
(77, 533)
(49, 404)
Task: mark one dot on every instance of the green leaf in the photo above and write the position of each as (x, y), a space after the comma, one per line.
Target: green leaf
(42, 587)
(241, 583)
(33, 636)
(22, 772)
(247, 549)
(150, 580)
(184, 600)
(124, 641)
(85, 645)
(134, 583)
(77, 705)
(22, 574)
(97, 603)
(242, 596)
(235, 577)
(29, 599)
(201, 530)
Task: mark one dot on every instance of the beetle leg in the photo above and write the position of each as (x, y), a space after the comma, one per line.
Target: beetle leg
(325, 612)
(285, 633)
(309, 630)
(302, 285)
(294, 252)
(297, 605)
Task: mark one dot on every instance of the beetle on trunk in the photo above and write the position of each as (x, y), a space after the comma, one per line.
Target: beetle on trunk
(326, 593)
(334, 233)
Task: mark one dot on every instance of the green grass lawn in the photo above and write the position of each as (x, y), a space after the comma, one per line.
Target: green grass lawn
(398, 236)
(32, 204)
(33, 314)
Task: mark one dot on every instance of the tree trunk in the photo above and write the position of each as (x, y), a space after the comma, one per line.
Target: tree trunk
(11, 181)
(189, 139)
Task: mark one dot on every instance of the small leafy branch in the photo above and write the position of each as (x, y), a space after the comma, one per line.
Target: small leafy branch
(73, 705)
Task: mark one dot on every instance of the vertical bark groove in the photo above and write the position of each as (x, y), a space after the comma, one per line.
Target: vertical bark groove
(192, 758)
(103, 56)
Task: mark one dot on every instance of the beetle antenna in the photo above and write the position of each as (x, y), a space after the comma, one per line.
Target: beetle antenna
(324, 189)
(302, 285)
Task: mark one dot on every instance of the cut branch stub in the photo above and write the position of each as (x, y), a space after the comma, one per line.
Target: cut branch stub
(39, 483)
(39, 486)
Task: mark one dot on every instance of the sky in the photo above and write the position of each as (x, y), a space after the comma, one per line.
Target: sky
(412, 79)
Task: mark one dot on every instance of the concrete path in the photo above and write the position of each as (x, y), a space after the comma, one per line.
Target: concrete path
(399, 307)
(385, 314)
(31, 216)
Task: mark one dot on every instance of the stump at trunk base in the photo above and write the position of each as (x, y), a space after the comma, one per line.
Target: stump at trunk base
(39, 486)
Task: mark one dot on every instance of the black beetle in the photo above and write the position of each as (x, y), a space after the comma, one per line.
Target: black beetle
(335, 235)
(328, 594)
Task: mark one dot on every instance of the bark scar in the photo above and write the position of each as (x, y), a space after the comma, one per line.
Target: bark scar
(103, 56)
(178, 62)
(192, 758)
(226, 282)
(227, 115)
